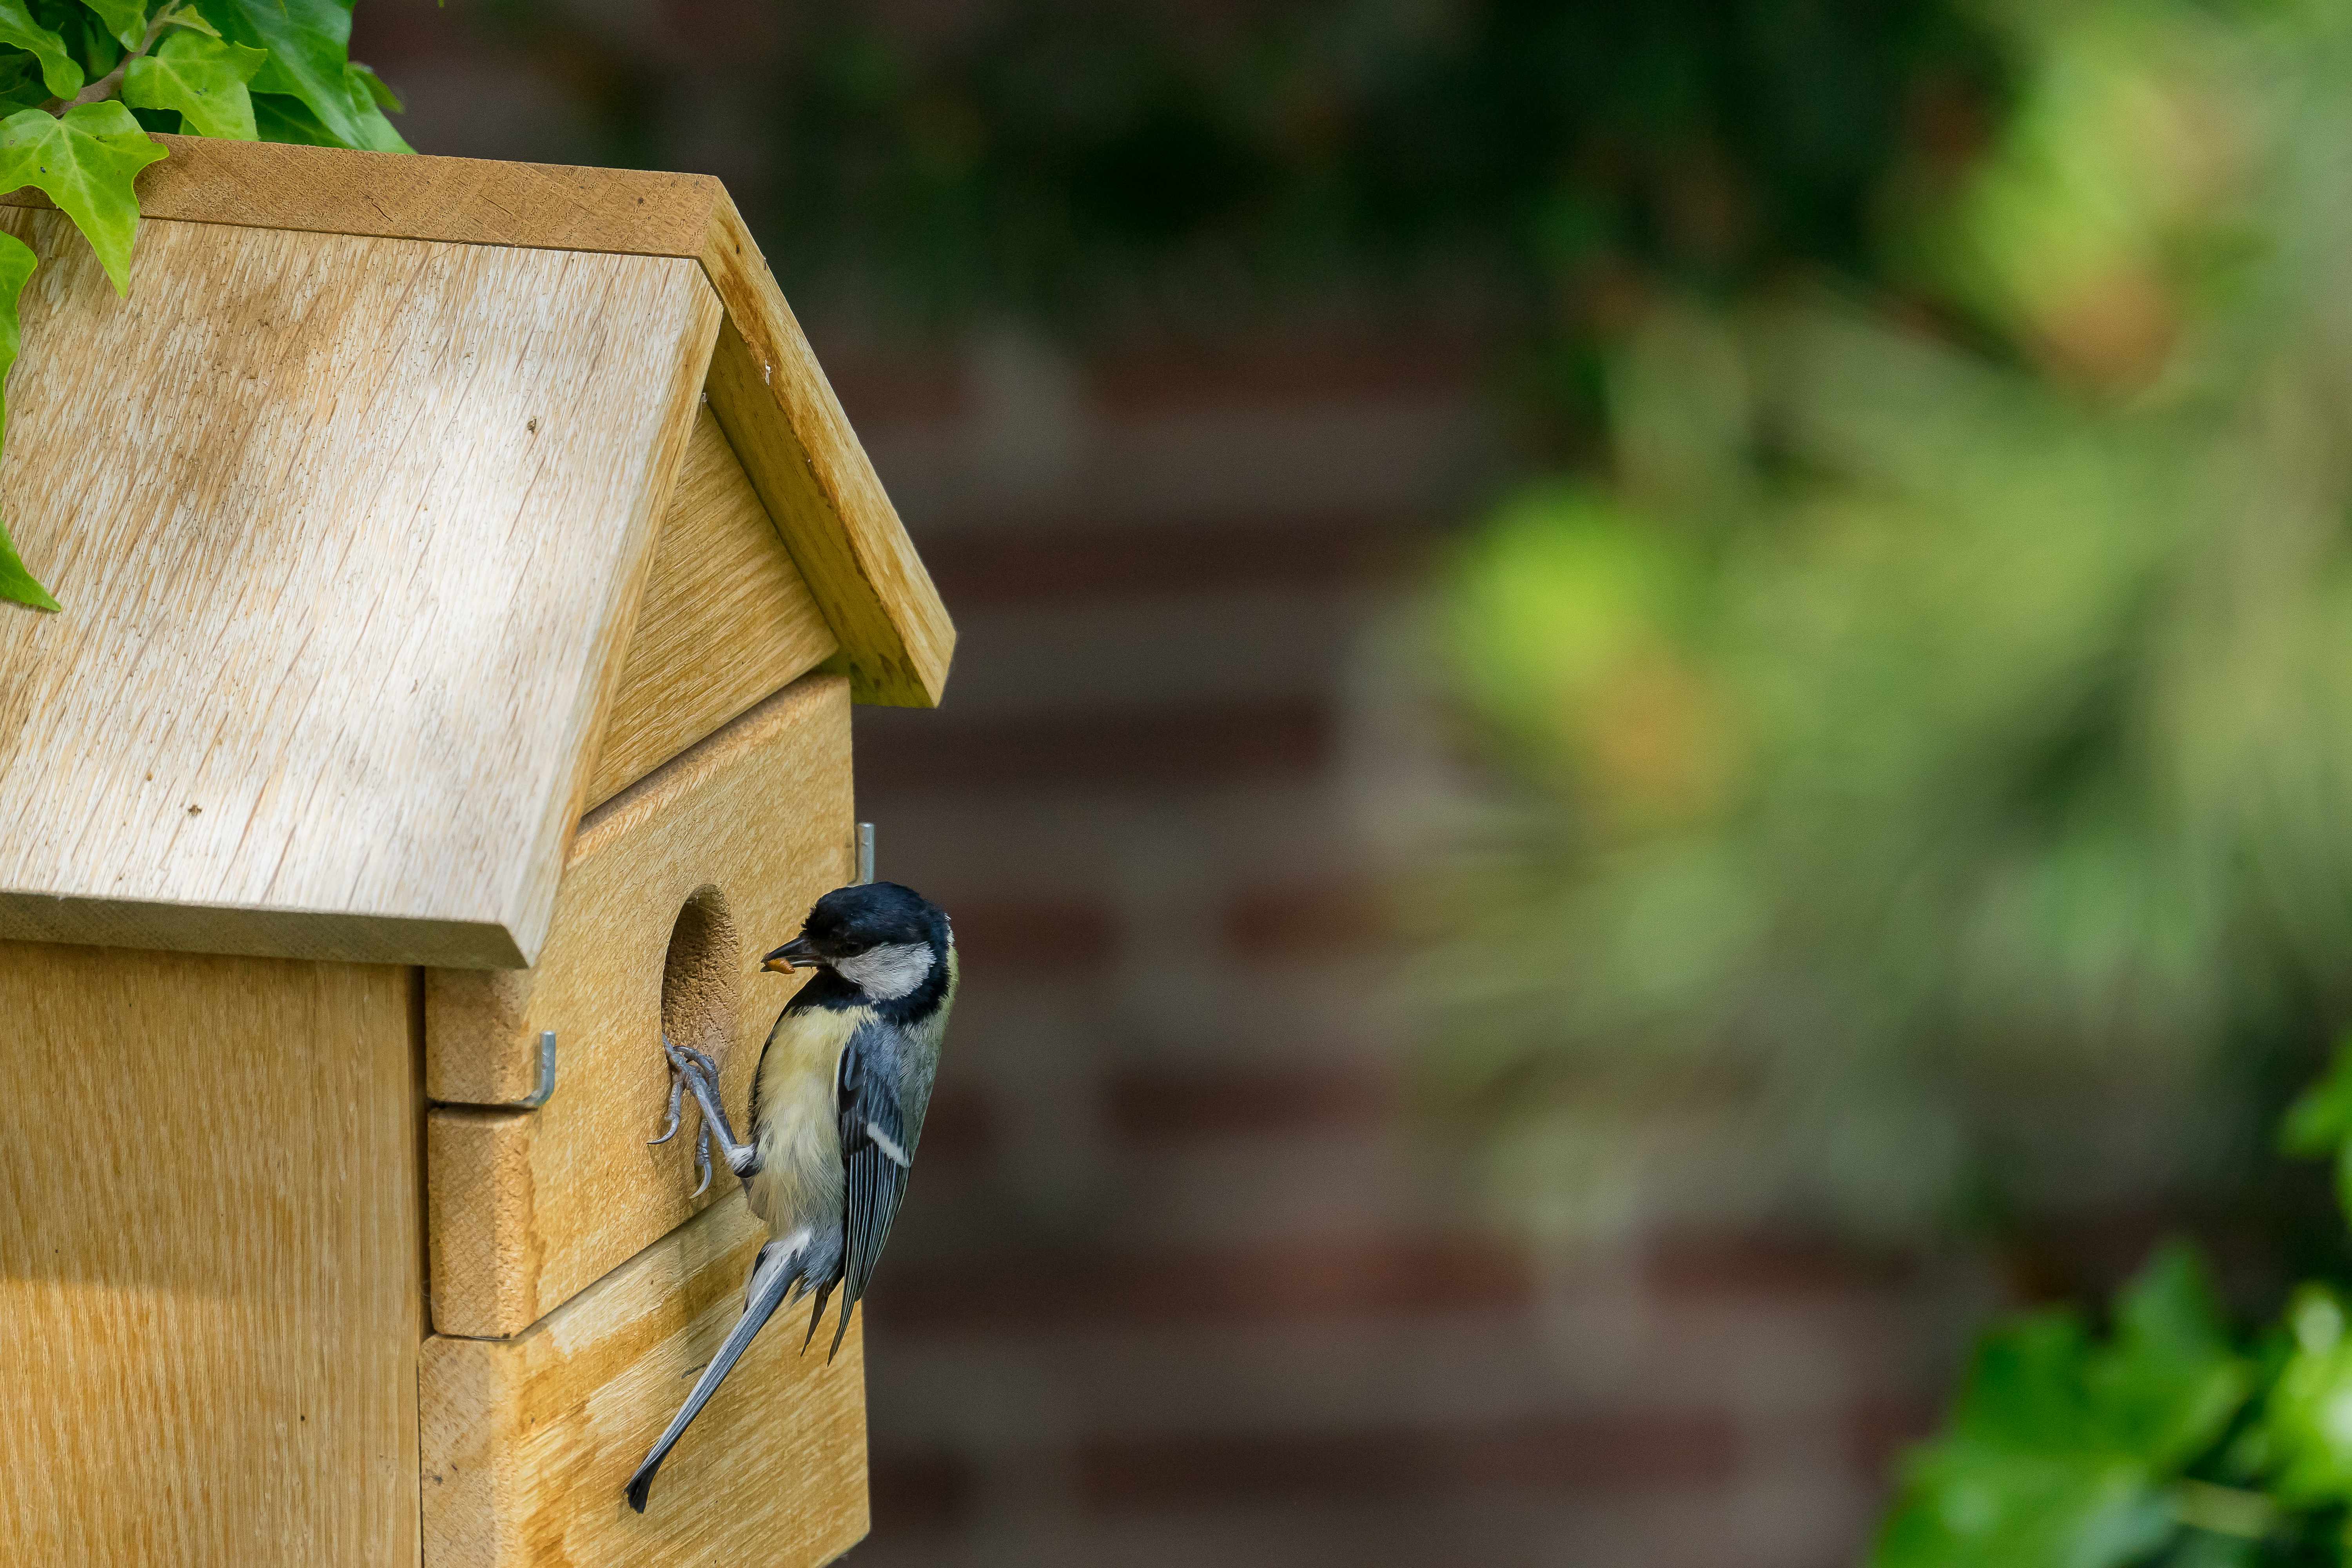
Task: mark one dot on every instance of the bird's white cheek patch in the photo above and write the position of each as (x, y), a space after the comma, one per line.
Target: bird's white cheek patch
(888, 972)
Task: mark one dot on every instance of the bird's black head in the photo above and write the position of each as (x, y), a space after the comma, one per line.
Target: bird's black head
(884, 939)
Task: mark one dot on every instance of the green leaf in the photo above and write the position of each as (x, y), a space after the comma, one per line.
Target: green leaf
(17, 262)
(2307, 1419)
(59, 72)
(378, 136)
(186, 18)
(309, 42)
(20, 82)
(94, 48)
(2171, 1381)
(126, 20)
(283, 119)
(202, 78)
(84, 161)
(1967, 1507)
(384, 98)
(2320, 1121)
(277, 118)
(2061, 1451)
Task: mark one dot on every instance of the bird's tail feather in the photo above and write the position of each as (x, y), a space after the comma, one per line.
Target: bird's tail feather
(817, 1315)
(769, 1283)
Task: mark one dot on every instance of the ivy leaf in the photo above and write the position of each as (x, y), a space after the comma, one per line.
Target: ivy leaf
(2309, 1439)
(126, 20)
(277, 118)
(2319, 1123)
(309, 42)
(284, 119)
(185, 17)
(2171, 1381)
(84, 161)
(60, 71)
(16, 261)
(92, 47)
(202, 78)
(20, 83)
(370, 97)
(2060, 1450)
(2320, 1120)
(383, 96)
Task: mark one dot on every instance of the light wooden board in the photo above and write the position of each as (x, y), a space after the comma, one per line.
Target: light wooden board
(725, 619)
(778, 409)
(347, 568)
(209, 1296)
(767, 388)
(471, 201)
(526, 1208)
(528, 1442)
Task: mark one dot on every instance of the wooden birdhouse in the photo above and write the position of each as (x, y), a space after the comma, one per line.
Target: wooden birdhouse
(468, 572)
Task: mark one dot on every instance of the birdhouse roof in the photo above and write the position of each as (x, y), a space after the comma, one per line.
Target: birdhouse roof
(351, 505)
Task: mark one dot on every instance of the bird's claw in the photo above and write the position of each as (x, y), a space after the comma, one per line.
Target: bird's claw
(676, 1098)
(685, 1059)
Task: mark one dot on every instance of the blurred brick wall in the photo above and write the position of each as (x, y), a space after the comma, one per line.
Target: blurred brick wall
(1177, 1281)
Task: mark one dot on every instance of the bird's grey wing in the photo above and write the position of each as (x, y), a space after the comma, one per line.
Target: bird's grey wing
(878, 1149)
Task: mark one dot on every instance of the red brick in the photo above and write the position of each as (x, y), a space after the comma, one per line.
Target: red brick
(1747, 1265)
(1615, 1454)
(959, 1126)
(986, 568)
(1153, 1106)
(1011, 1292)
(1145, 751)
(1314, 920)
(928, 1489)
(1318, 369)
(878, 390)
(1050, 937)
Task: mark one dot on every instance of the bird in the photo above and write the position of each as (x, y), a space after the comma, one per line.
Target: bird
(836, 1112)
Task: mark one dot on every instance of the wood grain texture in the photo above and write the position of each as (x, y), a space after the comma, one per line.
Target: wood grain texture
(323, 189)
(769, 390)
(526, 1208)
(725, 619)
(528, 1442)
(209, 1295)
(788, 427)
(347, 569)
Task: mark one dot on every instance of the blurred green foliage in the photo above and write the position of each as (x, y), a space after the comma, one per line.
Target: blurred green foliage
(2170, 1442)
(1928, 737)
(1524, 166)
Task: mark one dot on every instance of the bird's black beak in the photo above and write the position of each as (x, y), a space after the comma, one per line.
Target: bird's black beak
(794, 954)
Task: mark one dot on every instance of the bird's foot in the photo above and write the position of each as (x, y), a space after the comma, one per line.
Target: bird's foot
(692, 1071)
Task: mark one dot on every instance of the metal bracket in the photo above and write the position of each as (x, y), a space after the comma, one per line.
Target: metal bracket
(537, 1097)
(865, 852)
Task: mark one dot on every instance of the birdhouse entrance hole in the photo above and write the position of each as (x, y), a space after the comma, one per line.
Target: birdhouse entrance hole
(699, 976)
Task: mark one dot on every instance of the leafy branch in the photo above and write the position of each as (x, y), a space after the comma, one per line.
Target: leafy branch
(2170, 1442)
(84, 82)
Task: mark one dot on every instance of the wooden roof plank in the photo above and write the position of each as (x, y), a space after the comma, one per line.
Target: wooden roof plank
(770, 395)
(348, 569)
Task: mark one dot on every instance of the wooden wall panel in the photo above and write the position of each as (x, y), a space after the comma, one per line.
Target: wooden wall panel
(528, 1442)
(209, 1292)
(528, 1207)
(725, 620)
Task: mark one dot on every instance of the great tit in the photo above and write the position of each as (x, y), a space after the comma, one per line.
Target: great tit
(837, 1108)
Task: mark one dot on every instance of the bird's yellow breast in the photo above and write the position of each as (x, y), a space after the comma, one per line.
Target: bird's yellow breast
(799, 1133)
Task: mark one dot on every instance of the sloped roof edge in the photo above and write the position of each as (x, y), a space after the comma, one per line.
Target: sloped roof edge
(765, 387)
